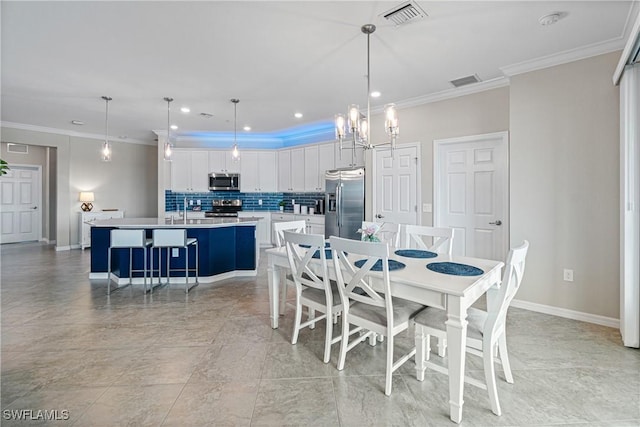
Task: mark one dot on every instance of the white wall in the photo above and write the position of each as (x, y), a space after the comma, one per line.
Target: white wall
(564, 159)
(128, 182)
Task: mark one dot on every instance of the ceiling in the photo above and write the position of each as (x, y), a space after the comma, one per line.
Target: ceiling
(278, 58)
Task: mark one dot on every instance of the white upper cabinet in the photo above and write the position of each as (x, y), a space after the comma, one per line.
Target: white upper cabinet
(258, 171)
(222, 161)
(348, 158)
(291, 170)
(189, 171)
(284, 171)
(317, 159)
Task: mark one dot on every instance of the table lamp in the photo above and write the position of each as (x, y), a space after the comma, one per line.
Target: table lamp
(86, 197)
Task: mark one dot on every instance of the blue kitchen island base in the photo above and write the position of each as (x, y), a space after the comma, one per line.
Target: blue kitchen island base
(225, 250)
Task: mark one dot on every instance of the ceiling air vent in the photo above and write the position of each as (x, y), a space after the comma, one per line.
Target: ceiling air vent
(405, 13)
(463, 81)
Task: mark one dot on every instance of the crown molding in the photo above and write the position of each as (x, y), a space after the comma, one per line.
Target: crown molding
(564, 57)
(450, 93)
(43, 129)
(632, 34)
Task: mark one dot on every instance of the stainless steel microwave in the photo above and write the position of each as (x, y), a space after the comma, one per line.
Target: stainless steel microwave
(220, 181)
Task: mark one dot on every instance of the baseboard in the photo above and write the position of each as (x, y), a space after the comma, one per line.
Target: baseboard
(75, 246)
(567, 314)
(63, 248)
(177, 280)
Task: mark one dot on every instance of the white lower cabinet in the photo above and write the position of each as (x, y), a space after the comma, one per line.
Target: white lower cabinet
(86, 218)
(263, 228)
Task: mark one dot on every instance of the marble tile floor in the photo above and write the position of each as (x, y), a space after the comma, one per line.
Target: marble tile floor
(211, 358)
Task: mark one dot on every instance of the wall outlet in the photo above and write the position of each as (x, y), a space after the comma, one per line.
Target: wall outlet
(190, 202)
(427, 207)
(260, 202)
(198, 202)
(175, 252)
(568, 275)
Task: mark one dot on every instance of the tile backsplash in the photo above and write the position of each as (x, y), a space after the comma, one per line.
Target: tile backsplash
(250, 201)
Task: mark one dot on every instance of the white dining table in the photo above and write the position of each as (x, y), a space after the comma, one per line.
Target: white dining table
(415, 282)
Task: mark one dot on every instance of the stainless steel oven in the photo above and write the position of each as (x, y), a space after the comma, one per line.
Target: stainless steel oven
(220, 181)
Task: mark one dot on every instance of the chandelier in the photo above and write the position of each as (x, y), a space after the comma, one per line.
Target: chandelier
(168, 147)
(105, 154)
(357, 123)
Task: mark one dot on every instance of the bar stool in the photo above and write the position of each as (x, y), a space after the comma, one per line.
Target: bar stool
(128, 239)
(169, 239)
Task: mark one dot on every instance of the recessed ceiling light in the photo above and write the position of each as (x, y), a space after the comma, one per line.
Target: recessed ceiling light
(174, 127)
(185, 109)
(298, 115)
(77, 122)
(247, 128)
(375, 94)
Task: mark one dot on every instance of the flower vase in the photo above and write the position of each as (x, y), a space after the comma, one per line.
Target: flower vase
(367, 238)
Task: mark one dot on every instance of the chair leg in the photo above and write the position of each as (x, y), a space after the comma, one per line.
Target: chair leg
(283, 298)
(186, 270)
(389, 374)
(144, 271)
(297, 321)
(372, 339)
(312, 315)
(504, 358)
(442, 346)
(197, 256)
(109, 271)
(488, 353)
(344, 341)
(420, 340)
(328, 335)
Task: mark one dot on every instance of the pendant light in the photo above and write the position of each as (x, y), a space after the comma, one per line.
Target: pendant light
(168, 147)
(235, 153)
(356, 123)
(105, 153)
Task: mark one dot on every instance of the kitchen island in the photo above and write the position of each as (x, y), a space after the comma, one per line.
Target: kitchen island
(227, 248)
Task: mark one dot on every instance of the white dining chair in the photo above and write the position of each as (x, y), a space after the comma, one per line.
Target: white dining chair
(388, 232)
(485, 330)
(128, 239)
(279, 228)
(314, 290)
(440, 238)
(365, 308)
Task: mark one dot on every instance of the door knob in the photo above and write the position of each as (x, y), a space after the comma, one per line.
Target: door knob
(35, 207)
(379, 216)
(498, 222)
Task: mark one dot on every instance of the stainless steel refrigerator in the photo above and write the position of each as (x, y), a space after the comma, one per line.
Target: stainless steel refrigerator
(344, 203)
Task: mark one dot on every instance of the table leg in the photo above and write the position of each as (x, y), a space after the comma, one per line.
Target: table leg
(456, 340)
(273, 272)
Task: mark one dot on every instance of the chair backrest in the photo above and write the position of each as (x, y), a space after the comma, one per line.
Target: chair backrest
(168, 237)
(388, 232)
(355, 283)
(128, 238)
(301, 249)
(441, 238)
(299, 226)
(511, 279)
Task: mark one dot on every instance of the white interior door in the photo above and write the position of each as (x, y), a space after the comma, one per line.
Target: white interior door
(395, 192)
(471, 191)
(21, 217)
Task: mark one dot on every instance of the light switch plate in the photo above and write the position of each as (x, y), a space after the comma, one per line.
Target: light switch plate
(427, 207)
(175, 252)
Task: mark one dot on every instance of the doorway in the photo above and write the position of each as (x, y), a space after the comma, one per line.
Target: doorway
(471, 193)
(395, 195)
(20, 204)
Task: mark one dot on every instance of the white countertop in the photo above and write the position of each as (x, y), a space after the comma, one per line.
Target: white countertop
(178, 223)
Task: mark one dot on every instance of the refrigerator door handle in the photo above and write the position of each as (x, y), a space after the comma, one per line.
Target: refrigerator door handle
(338, 203)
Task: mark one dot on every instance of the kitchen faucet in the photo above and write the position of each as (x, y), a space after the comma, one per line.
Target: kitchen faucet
(185, 210)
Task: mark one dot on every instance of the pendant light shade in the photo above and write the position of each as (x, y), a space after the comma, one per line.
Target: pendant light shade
(235, 153)
(105, 153)
(168, 146)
